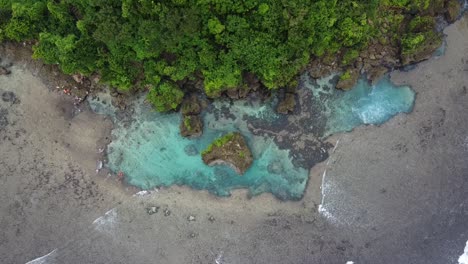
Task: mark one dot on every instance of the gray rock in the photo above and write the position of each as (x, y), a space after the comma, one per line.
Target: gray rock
(4, 71)
(152, 210)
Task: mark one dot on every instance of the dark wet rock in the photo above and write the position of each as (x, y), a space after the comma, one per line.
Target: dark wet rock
(374, 74)
(4, 71)
(348, 79)
(191, 150)
(231, 150)
(191, 106)
(3, 119)
(9, 97)
(191, 126)
(453, 10)
(287, 104)
(318, 70)
(211, 219)
(233, 94)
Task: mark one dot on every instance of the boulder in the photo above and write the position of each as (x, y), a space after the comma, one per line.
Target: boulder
(191, 126)
(348, 79)
(4, 71)
(233, 94)
(287, 104)
(230, 150)
(453, 10)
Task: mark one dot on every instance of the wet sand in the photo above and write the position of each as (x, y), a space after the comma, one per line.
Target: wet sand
(397, 193)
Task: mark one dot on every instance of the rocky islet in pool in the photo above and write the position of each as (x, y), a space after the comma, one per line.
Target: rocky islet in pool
(151, 153)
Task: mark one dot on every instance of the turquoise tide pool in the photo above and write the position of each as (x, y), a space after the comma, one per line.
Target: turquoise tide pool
(150, 152)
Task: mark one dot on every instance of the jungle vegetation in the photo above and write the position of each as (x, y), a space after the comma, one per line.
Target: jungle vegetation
(154, 45)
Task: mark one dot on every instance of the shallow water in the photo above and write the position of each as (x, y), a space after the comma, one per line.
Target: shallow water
(151, 153)
(363, 105)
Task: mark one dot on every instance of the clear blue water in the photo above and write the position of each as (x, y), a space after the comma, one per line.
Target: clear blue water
(363, 105)
(151, 153)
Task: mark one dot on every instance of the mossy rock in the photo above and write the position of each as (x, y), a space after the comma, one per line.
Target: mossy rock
(417, 47)
(453, 10)
(230, 150)
(348, 79)
(191, 106)
(191, 126)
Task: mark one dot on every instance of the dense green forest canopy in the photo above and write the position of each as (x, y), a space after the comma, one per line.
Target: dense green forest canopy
(149, 44)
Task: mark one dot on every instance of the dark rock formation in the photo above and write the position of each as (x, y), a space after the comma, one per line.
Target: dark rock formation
(348, 79)
(287, 104)
(375, 73)
(191, 126)
(231, 150)
(191, 106)
(453, 10)
(4, 71)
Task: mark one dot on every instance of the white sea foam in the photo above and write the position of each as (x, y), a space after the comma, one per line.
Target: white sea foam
(464, 257)
(106, 222)
(44, 259)
(321, 207)
(350, 262)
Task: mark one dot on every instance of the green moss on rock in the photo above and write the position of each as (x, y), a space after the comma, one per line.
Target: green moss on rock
(230, 149)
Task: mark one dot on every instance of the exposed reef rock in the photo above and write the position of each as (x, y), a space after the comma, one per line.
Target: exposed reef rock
(374, 74)
(348, 79)
(231, 150)
(287, 104)
(191, 106)
(191, 124)
(453, 10)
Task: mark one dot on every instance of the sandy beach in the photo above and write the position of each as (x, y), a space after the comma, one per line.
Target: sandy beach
(397, 193)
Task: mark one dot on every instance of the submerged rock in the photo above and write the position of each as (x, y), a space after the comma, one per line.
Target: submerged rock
(231, 150)
(191, 126)
(287, 105)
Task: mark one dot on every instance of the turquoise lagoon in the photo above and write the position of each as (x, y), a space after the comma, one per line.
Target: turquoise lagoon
(148, 149)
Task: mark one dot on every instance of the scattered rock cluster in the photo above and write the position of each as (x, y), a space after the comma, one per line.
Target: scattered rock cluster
(4, 68)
